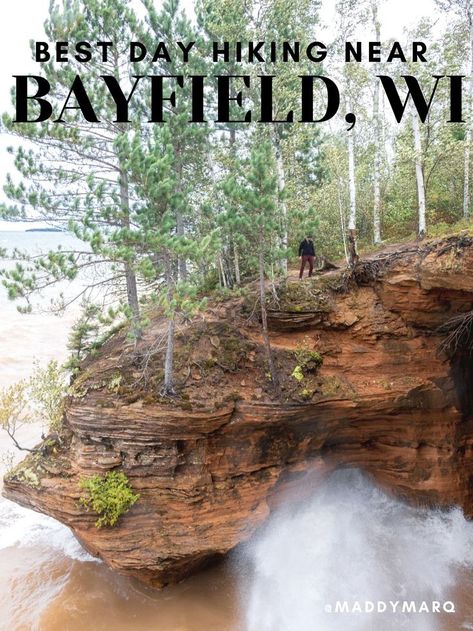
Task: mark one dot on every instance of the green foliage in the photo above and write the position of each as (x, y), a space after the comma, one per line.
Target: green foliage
(83, 335)
(109, 495)
(73, 174)
(39, 398)
(167, 214)
(308, 359)
(27, 476)
(13, 404)
(297, 373)
(306, 394)
(47, 389)
(91, 330)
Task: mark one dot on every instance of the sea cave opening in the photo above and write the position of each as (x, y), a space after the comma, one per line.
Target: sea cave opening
(462, 374)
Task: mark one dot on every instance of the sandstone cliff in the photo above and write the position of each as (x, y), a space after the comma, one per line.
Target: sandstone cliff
(210, 466)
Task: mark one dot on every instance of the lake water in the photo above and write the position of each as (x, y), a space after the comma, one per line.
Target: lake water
(350, 542)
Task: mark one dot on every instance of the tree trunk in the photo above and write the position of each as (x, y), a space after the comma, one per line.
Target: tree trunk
(168, 386)
(466, 180)
(342, 219)
(264, 322)
(466, 175)
(236, 262)
(222, 272)
(130, 276)
(281, 177)
(352, 253)
(132, 297)
(181, 264)
(377, 149)
(236, 258)
(419, 175)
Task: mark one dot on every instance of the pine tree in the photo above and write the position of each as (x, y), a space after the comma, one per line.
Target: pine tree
(168, 164)
(189, 141)
(255, 191)
(227, 21)
(73, 174)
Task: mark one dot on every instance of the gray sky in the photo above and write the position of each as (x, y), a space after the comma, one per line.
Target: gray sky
(22, 20)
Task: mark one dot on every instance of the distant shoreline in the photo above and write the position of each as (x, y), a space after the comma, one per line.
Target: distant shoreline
(44, 230)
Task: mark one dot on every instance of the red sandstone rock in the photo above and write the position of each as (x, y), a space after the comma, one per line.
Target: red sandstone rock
(208, 476)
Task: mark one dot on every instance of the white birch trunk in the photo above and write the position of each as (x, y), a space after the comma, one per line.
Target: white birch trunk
(351, 180)
(352, 249)
(466, 173)
(281, 176)
(419, 174)
(377, 146)
(168, 388)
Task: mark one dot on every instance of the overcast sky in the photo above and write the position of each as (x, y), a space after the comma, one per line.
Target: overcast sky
(22, 20)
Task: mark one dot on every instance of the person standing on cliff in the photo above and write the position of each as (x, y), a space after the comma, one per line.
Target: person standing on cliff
(306, 255)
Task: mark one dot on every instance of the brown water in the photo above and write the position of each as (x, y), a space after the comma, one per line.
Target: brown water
(47, 582)
(350, 540)
(59, 594)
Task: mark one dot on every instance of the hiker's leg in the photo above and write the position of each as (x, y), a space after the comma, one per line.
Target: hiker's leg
(311, 264)
(303, 260)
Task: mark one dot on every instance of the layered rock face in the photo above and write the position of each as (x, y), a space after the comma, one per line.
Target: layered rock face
(211, 466)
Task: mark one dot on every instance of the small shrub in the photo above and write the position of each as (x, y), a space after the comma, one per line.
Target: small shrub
(29, 477)
(306, 394)
(109, 495)
(39, 398)
(114, 383)
(297, 373)
(307, 359)
(47, 391)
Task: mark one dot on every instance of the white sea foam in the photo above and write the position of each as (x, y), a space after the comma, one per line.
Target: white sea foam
(353, 543)
(25, 528)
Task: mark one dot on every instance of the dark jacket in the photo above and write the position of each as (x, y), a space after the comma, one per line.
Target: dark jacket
(306, 248)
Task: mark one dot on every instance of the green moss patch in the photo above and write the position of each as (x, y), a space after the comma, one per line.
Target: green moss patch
(109, 495)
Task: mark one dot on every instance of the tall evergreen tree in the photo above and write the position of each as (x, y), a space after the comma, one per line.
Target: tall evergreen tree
(168, 164)
(73, 174)
(255, 191)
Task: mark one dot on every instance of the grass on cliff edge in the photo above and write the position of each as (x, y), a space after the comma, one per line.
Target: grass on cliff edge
(434, 231)
(218, 356)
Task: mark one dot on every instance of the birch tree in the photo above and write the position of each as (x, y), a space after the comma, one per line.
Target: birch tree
(421, 228)
(350, 13)
(377, 133)
(464, 9)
